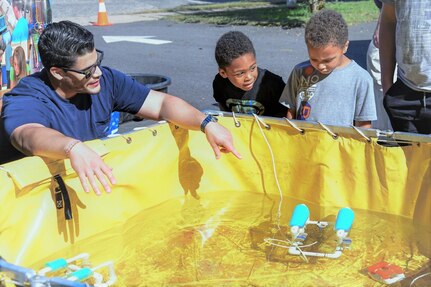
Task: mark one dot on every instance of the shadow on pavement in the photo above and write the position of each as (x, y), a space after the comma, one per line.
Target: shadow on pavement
(358, 51)
(262, 16)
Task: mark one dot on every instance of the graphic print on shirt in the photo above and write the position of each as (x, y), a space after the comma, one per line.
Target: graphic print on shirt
(245, 106)
(306, 92)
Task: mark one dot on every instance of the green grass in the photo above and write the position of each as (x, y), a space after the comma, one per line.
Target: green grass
(266, 14)
(221, 6)
(356, 12)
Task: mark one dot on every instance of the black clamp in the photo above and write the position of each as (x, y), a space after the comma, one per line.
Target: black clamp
(62, 196)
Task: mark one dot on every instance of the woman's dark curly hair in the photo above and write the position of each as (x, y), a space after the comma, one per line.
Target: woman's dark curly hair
(230, 46)
(326, 27)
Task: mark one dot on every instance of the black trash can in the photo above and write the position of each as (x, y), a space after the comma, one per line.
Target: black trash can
(154, 82)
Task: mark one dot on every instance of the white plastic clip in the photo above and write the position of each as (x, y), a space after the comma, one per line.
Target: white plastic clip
(334, 135)
(361, 133)
(262, 122)
(293, 125)
(237, 123)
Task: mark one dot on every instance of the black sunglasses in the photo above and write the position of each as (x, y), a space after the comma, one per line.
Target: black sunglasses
(90, 70)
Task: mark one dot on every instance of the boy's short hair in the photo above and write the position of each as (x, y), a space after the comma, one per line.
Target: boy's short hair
(230, 46)
(326, 27)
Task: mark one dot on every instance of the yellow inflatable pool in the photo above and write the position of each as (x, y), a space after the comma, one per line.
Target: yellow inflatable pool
(179, 217)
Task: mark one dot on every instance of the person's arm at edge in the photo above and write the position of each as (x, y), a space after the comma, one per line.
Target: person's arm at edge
(35, 139)
(159, 105)
(363, 124)
(377, 32)
(290, 114)
(387, 45)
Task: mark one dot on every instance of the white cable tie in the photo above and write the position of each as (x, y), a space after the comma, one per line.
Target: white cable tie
(237, 123)
(361, 133)
(293, 125)
(335, 136)
(261, 121)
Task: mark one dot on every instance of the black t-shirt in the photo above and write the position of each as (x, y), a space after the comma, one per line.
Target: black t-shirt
(262, 99)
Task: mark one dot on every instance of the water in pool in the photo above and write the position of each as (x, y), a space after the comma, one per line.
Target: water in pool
(221, 239)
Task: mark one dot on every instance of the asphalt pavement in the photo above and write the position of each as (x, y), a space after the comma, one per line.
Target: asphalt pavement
(85, 11)
(188, 58)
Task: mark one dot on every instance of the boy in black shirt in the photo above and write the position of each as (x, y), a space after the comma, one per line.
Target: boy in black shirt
(242, 87)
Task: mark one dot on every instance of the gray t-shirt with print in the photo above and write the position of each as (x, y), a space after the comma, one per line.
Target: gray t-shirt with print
(413, 42)
(343, 96)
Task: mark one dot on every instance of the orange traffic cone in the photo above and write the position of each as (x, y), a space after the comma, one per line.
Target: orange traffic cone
(102, 16)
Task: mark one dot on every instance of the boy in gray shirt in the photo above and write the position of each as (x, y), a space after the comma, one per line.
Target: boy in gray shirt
(329, 87)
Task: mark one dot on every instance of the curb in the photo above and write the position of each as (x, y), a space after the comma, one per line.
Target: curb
(119, 18)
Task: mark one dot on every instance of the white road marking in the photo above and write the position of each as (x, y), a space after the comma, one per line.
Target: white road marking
(135, 39)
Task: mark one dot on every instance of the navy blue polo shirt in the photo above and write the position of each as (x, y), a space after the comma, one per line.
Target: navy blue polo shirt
(84, 117)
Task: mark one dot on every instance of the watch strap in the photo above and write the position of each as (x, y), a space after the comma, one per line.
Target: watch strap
(207, 120)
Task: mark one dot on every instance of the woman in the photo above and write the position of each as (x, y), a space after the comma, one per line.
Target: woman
(19, 66)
